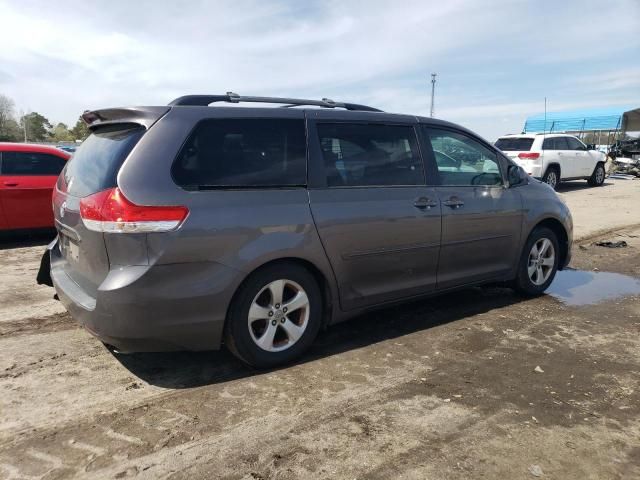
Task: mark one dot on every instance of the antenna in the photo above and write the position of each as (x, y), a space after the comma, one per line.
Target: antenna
(544, 129)
(433, 91)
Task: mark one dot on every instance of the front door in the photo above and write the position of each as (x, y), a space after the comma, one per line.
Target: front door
(378, 222)
(481, 219)
(26, 184)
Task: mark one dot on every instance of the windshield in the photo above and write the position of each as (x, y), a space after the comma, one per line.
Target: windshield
(514, 144)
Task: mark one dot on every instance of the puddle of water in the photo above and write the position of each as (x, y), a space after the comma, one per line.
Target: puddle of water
(579, 287)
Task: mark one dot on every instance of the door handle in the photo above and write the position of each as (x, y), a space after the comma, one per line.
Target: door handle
(424, 203)
(453, 202)
(11, 184)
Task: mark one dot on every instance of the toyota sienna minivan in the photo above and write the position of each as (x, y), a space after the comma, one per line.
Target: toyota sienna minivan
(189, 225)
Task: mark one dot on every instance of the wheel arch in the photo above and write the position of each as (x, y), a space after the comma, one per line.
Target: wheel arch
(319, 276)
(555, 166)
(558, 228)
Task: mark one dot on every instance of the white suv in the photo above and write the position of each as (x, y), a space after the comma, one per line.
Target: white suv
(554, 157)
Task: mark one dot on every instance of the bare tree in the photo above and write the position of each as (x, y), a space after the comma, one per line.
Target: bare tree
(6, 110)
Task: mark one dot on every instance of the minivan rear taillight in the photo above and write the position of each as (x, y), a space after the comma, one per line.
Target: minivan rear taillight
(529, 156)
(111, 212)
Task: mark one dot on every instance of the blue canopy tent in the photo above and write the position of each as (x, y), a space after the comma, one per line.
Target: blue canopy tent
(615, 119)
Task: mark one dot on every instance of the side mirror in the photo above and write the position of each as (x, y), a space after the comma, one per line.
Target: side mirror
(516, 175)
(591, 146)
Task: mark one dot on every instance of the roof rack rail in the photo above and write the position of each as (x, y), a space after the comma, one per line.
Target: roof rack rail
(230, 97)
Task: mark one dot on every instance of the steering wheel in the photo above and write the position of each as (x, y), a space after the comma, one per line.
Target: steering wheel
(444, 160)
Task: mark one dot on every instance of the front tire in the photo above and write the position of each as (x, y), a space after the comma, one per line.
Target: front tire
(551, 177)
(275, 316)
(538, 263)
(597, 177)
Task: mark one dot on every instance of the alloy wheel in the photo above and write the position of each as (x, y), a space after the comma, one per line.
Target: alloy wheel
(541, 261)
(279, 315)
(552, 179)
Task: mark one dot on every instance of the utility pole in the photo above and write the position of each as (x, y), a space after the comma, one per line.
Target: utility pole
(433, 91)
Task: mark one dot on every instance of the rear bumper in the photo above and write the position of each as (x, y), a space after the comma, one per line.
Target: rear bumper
(152, 308)
(532, 167)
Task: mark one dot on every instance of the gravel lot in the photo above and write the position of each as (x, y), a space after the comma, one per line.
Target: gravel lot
(445, 388)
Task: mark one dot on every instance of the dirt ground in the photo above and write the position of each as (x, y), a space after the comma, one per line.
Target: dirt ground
(613, 205)
(444, 388)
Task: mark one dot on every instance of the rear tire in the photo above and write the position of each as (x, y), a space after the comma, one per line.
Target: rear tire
(538, 262)
(597, 177)
(552, 177)
(275, 316)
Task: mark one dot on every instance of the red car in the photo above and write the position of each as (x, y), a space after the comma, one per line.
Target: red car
(28, 174)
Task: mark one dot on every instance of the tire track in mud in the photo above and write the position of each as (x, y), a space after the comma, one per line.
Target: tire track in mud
(307, 411)
(373, 406)
(170, 418)
(193, 419)
(35, 325)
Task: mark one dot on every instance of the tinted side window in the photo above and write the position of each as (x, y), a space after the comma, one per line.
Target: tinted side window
(243, 153)
(560, 143)
(28, 163)
(370, 155)
(462, 160)
(549, 144)
(575, 144)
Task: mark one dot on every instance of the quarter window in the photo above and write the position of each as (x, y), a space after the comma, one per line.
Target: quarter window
(31, 163)
(370, 155)
(463, 161)
(241, 153)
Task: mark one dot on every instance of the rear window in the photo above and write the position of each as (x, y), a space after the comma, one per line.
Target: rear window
(95, 165)
(31, 163)
(514, 144)
(243, 153)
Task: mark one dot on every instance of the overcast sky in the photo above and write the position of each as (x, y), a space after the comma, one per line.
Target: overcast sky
(496, 60)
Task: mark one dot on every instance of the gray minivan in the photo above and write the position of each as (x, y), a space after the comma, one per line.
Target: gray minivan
(188, 226)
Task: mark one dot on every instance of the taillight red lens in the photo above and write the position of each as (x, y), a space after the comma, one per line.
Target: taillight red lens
(111, 211)
(529, 156)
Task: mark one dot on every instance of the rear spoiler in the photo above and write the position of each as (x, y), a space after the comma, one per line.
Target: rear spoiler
(145, 116)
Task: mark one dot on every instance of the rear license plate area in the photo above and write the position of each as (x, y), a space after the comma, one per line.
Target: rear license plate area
(70, 250)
